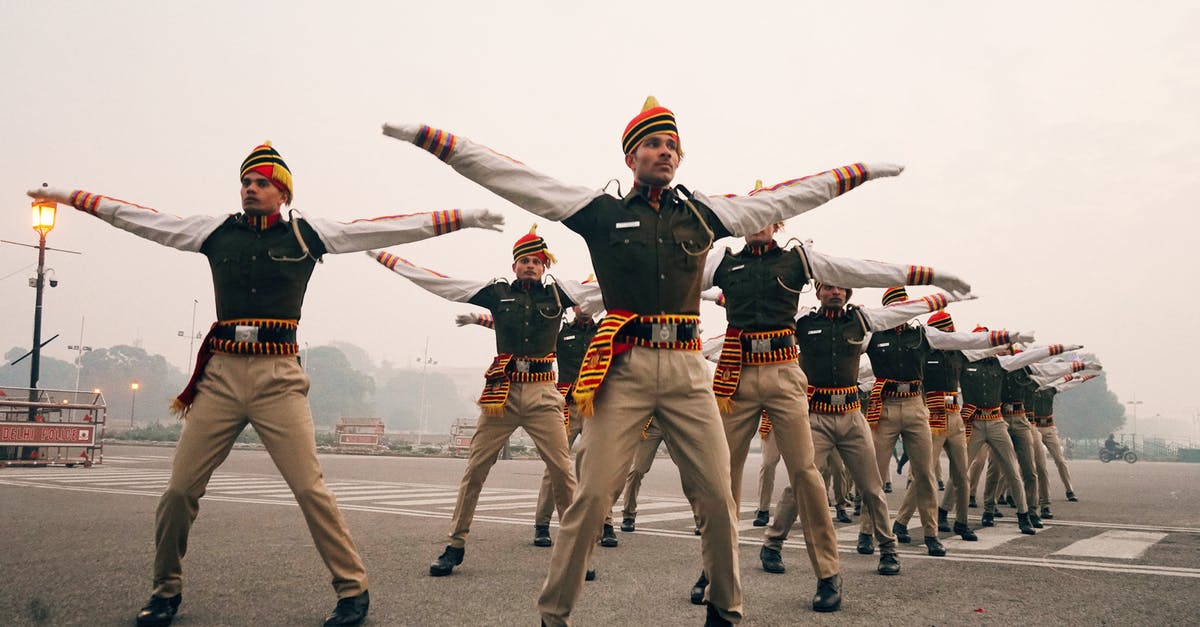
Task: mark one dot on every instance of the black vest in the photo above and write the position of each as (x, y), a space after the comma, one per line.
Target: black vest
(982, 381)
(1016, 384)
(830, 347)
(1043, 402)
(753, 284)
(250, 278)
(943, 368)
(899, 355)
(573, 342)
(527, 318)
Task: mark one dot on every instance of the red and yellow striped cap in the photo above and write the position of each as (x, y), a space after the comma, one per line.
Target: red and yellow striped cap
(532, 244)
(267, 162)
(942, 320)
(654, 118)
(895, 295)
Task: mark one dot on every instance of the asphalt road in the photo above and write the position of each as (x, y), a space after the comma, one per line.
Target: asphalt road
(76, 547)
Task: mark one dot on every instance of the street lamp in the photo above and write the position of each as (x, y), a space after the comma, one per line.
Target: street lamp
(43, 223)
(133, 388)
(1134, 404)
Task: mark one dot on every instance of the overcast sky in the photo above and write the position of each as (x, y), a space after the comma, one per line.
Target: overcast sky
(1051, 150)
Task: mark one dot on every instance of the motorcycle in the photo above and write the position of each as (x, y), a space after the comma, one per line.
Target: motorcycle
(1120, 452)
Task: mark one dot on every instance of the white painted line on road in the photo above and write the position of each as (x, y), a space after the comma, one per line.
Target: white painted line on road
(532, 502)
(1124, 545)
(389, 495)
(663, 505)
(497, 497)
(681, 515)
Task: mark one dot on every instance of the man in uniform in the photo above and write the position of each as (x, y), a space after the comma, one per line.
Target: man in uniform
(758, 369)
(648, 251)
(831, 340)
(897, 407)
(519, 388)
(247, 370)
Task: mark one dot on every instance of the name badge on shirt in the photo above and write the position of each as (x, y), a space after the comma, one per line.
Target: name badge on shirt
(933, 362)
(629, 225)
(507, 300)
(568, 337)
(814, 331)
(736, 268)
(882, 344)
(972, 369)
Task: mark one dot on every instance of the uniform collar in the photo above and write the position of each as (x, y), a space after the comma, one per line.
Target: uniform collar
(832, 314)
(654, 196)
(258, 222)
(758, 250)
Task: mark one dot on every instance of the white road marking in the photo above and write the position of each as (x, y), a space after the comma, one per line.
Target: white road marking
(1124, 545)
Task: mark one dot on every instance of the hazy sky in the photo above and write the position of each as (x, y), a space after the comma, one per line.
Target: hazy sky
(1052, 150)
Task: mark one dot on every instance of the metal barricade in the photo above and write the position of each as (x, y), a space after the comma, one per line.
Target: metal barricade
(51, 427)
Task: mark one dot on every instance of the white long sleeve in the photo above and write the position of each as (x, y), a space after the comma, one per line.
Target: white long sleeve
(852, 273)
(585, 294)
(1033, 355)
(508, 178)
(187, 234)
(371, 233)
(744, 215)
(965, 340)
(883, 318)
(457, 290)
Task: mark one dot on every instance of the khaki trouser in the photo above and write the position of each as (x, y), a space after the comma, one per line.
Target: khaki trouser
(954, 441)
(271, 394)
(835, 475)
(995, 434)
(780, 390)
(908, 418)
(1051, 440)
(766, 473)
(849, 434)
(1022, 439)
(675, 388)
(537, 408)
(1039, 463)
(643, 459)
(545, 502)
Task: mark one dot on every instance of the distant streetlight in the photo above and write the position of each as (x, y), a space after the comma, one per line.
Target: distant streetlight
(1134, 404)
(193, 336)
(421, 416)
(133, 388)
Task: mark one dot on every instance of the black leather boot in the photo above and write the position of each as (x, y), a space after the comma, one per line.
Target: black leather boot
(888, 564)
(841, 516)
(934, 546)
(609, 538)
(901, 533)
(627, 525)
(965, 532)
(541, 536)
(713, 618)
(987, 519)
(1071, 497)
(866, 544)
(698, 588)
(943, 520)
(762, 517)
(972, 502)
(772, 561)
(829, 594)
(1023, 523)
(349, 611)
(159, 612)
(1034, 520)
(446, 562)
(1046, 514)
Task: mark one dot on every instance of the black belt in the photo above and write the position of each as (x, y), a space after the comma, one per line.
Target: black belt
(661, 332)
(767, 344)
(249, 333)
(898, 387)
(1012, 408)
(837, 400)
(532, 367)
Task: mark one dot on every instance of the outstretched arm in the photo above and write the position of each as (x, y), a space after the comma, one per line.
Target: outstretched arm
(851, 273)
(882, 318)
(186, 234)
(743, 215)
(963, 340)
(586, 294)
(1034, 355)
(506, 177)
(481, 319)
(366, 234)
(458, 290)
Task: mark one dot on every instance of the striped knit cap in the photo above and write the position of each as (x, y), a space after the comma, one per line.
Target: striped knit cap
(267, 162)
(654, 118)
(942, 320)
(895, 295)
(532, 244)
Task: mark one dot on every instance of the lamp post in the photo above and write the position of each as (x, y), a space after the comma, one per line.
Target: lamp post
(1134, 404)
(133, 388)
(43, 223)
(425, 361)
(192, 341)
